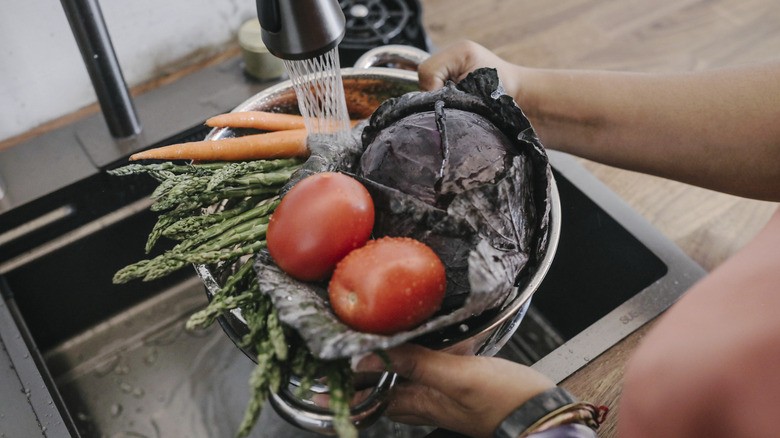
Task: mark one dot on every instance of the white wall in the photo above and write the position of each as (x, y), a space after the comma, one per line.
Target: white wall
(42, 75)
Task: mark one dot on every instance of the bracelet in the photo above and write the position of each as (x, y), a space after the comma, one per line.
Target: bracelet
(580, 412)
(553, 407)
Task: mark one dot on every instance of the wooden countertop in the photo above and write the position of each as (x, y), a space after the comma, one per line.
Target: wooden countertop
(638, 35)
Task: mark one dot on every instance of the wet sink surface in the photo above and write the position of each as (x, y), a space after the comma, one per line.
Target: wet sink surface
(142, 374)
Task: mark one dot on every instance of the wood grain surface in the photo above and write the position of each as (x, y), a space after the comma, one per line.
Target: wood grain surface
(631, 35)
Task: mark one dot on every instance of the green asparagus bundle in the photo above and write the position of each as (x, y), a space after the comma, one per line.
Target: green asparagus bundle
(218, 213)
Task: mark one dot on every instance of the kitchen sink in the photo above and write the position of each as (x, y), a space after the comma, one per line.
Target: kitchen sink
(80, 356)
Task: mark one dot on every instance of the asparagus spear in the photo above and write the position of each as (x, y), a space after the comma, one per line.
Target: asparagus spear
(260, 167)
(168, 166)
(226, 298)
(193, 202)
(187, 226)
(244, 219)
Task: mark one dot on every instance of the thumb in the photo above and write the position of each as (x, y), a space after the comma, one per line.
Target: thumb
(435, 369)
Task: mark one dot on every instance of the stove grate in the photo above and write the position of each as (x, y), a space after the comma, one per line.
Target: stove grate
(374, 23)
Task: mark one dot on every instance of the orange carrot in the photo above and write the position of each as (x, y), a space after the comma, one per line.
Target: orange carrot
(278, 144)
(257, 119)
(264, 120)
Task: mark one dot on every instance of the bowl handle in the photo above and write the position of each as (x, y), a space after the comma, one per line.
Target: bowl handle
(395, 54)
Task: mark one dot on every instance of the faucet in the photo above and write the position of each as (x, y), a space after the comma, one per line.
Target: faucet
(89, 29)
(300, 29)
(292, 30)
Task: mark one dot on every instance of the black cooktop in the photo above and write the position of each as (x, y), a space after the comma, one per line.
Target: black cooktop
(374, 23)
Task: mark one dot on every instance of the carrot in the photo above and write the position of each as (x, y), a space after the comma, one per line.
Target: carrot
(278, 144)
(264, 120)
(257, 119)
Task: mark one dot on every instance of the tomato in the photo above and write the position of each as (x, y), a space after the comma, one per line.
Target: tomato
(389, 285)
(319, 221)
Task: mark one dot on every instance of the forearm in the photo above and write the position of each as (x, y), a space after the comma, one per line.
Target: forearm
(717, 129)
(708, 366)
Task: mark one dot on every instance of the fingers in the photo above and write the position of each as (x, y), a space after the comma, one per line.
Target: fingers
(453, 63)
(458, 60)
(436, 71)
(421, 365)
(416, 404)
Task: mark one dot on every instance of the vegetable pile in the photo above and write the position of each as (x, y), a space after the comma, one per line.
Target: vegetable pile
(485, 215)
(454, 180)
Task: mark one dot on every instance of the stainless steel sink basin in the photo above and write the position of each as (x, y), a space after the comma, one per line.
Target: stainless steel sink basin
(142, 374)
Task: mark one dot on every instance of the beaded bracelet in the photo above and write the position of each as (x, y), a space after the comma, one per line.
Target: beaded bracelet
(553, 407)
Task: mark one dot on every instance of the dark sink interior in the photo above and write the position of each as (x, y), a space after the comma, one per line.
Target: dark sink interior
(67, 288)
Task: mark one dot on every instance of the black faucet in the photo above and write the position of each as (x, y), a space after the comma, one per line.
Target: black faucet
(89, 29)
(300, 29)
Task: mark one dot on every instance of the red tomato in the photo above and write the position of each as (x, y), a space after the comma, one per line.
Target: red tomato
(319, 221)
(389, 285)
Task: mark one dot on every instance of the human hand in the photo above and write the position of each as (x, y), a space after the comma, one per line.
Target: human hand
(471, 395)
(458, 60)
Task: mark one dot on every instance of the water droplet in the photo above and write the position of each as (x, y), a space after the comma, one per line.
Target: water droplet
(138, 392)
(126, 387)
(151, 357)
(463, 328)
(116, 409)
(122, 369)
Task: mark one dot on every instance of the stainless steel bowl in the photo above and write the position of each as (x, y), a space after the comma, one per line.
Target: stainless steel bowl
(366, 86)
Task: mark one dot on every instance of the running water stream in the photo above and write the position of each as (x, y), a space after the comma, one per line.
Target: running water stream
(320, 91)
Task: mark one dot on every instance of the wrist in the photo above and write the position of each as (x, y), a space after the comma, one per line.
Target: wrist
(535, 94)
(552, 408)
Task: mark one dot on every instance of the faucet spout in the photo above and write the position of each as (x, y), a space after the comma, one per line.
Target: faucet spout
(300, 29)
